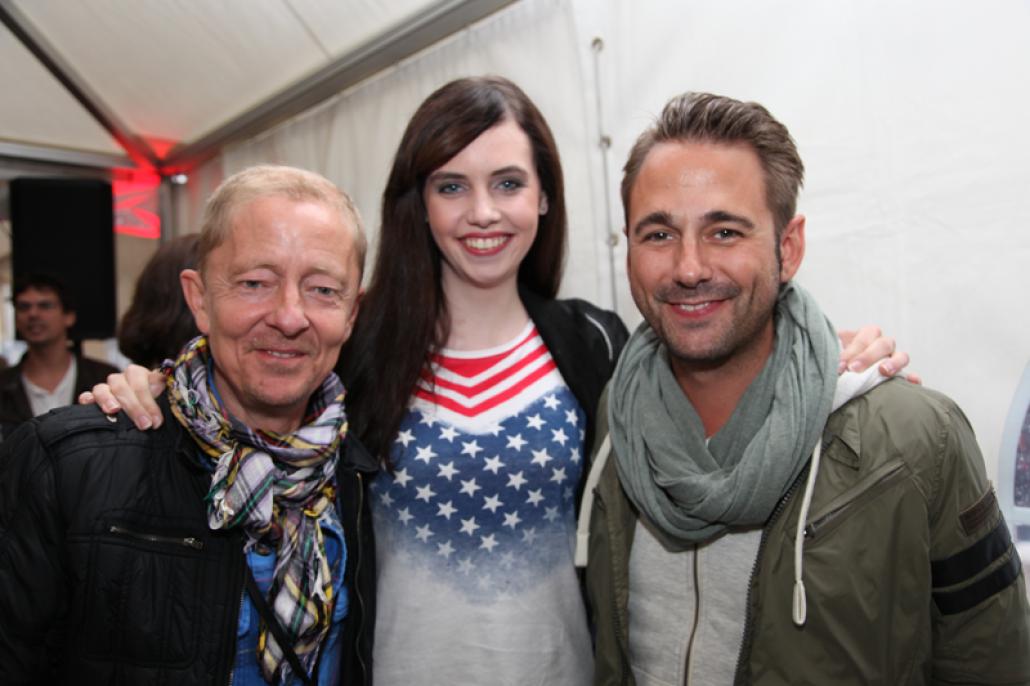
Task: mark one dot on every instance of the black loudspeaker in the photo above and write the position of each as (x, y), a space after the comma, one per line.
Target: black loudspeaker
(65, 228)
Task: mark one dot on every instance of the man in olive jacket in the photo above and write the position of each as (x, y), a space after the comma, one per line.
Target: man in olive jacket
(748, 525)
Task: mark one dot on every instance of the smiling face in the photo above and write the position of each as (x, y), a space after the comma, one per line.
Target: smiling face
(702, 258)
(277, 299)
(483, 206)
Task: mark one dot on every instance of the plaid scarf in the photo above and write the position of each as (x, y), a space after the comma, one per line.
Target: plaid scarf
(277, 488)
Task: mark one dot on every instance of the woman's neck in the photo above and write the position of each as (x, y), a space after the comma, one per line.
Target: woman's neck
(484, 318)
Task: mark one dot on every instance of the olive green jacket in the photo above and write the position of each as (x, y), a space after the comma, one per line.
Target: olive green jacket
(910, 573)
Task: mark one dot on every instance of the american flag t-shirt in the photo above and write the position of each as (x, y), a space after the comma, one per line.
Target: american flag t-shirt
(475, 525)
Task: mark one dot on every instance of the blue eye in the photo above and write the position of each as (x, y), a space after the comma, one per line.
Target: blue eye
(510, 184)
(448, 188)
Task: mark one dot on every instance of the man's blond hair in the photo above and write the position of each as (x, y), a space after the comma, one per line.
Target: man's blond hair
(278, 181)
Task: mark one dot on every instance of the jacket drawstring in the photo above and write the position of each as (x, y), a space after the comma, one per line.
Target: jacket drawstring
(585, 508)
(800, 609)
(800, 606)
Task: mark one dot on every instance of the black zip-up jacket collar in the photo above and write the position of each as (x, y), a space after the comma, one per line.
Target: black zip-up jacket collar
(108, 570)
(585, 342)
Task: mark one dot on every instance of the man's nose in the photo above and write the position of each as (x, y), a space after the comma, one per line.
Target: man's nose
(692, 263)
(288, 314)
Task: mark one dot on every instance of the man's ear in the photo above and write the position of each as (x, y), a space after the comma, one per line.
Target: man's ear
(792, 248)
(625, 236)
(193, 290)
(69, 319)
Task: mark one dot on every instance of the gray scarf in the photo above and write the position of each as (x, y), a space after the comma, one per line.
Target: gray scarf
(692, 490)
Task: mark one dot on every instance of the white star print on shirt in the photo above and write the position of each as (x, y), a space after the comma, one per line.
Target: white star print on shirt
(425, 453)
(488, 517)
(541, 457)
(516, 442)
(470, 487)
(492, 503)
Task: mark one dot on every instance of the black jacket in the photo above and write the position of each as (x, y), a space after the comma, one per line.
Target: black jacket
(109, 572)
(585, 342)
(14, 402)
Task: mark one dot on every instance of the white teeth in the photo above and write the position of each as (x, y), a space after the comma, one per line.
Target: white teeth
(484, 243)
(692, 308)
(284, 356)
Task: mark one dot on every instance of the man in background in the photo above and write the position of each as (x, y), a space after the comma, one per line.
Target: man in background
(50, 374)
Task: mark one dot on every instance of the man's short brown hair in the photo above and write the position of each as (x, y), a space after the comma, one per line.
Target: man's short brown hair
(705, 117)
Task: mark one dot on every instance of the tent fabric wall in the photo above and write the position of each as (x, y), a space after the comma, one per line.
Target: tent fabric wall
(910, 118)
(352, 138)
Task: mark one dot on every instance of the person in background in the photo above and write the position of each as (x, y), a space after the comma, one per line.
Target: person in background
(758, 520)
(159, 322)
(233, 544)
(50, 374)
(477, 388)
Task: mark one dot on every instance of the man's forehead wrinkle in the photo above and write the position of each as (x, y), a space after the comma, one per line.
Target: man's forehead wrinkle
(690, 176)
(326, 268)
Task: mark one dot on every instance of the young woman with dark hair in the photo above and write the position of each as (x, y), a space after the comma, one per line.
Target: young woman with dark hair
(405, 311)
(478, 389)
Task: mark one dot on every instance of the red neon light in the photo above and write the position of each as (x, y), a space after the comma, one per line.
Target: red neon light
(136, 203)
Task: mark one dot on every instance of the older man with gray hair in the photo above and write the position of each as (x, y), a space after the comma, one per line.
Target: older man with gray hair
(232, 543)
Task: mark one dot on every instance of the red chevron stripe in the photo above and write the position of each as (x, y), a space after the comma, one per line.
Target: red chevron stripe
(489, 382)
(469, 367)
(491, 402)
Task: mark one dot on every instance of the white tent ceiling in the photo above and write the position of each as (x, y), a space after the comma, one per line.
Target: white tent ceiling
(172, 80)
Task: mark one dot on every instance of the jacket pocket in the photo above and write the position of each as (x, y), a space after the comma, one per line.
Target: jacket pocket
(836, 512)
(143, 593)
(866, 575)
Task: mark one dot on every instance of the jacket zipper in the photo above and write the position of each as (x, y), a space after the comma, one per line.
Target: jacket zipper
(188, 541)
(617, 624)
(813, 528)
(357, 574)
(232, 653)
(697, 614)
(745, 643)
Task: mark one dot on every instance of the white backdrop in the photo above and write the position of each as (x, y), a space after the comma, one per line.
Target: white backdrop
(912, 119)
